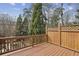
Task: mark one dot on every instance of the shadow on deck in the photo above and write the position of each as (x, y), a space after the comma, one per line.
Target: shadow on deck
(43, 49)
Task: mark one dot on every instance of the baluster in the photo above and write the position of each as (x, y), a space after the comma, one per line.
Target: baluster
(13, 44)
(20, 44)
(26, 41)
(10, 45)
(17, 44)
(1, 48)
(40, 38)
(23, 42)
(4, 46)
(32, 40)
(36, 37)
(29, 40)
(7, 45)
(35, 40)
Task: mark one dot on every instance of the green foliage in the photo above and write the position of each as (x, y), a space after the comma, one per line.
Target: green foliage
(22, 26)
(25, 26)
(19, 25)
(57, 15)
(37, 22)
(37, 25)
(54, 20)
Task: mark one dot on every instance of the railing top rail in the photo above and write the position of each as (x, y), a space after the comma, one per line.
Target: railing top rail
(18, 37)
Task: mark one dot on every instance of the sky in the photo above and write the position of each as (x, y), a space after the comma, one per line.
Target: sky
(13, 9)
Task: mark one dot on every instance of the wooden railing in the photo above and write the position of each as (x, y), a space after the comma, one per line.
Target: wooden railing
(8, 44)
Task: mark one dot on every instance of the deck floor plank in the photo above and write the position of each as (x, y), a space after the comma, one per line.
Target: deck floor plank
(44, 49)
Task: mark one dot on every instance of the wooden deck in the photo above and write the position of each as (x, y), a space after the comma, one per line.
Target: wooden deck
(44, 49)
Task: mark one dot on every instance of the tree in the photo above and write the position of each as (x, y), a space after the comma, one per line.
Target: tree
(7, 25)
(56, 16)
(77, 15)
(25, 26)
(19, 26)
(61, 11)
(54, 20)
(27, 13)
(38, 24)
(67, 16)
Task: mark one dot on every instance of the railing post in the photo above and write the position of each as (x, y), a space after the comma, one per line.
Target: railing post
(59, 30)
(32, 41)
(46, 33)
(0, 48)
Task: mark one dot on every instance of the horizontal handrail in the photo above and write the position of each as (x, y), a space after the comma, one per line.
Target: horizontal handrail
(12, 37)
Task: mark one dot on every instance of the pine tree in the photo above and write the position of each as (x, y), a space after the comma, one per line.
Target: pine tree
(38, 24)
(19, 26)
(25, 26)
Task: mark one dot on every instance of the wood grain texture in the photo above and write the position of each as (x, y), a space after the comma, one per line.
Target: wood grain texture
(54, 37)
(44, 49)
(70, 40)
(67, 39)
